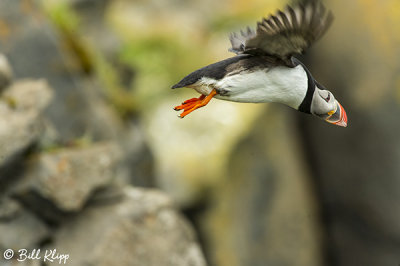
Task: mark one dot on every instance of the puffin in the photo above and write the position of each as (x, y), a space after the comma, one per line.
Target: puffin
(265, 69)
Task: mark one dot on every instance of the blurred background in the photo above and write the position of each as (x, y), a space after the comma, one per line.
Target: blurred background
(87, 87)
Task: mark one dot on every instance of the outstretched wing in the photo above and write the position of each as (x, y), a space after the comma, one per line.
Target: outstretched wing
(284, 34)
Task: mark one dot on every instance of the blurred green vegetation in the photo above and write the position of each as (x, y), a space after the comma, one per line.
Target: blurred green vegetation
(160, 58)
(68, 22)
(62, 14)
(153, 58)
(89, 59)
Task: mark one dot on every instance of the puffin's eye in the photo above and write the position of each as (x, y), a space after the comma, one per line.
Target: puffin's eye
(326, 95)
(328, 98)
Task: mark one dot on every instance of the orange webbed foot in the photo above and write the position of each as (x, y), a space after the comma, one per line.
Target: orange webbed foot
(190, 105)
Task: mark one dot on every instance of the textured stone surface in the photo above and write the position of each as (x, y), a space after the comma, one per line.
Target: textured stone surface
(15, 262)
(29, 94)
(72, 187)
(35, 50)
(67, 177)
(138, 164)
(19, 228)
(5, 72)
(142, 228)
(264, 212)
(20, 116)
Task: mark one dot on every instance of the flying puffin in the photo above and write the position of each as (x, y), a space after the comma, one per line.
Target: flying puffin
(264, 69)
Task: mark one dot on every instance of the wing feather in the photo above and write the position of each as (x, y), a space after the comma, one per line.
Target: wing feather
(293, 17)
(286, 33)
(285, 19)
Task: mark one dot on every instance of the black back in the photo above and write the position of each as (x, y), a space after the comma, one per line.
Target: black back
(222, 68)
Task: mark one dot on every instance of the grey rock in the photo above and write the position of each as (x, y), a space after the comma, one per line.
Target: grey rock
(19, 228)
(35, 50)
(67, 177)
(29, 94)
(143, 228)
(8, 209)
(137, 166)
(5, 73)
(20, 117)
(15, 262)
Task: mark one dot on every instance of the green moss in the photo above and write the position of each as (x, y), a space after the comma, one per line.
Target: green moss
(160, 61)
(121, 98)
(11, 102)
(67, 21)
(156, 56)
(90, 60)
(52, 147)
(62, 14)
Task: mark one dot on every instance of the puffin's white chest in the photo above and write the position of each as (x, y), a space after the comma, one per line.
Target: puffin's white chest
(279, 84)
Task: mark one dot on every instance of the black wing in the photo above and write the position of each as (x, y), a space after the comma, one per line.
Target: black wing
(229, 66)
(216, 71)
(284, 34)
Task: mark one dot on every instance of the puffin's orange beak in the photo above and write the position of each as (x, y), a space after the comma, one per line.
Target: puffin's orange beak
(339, 117)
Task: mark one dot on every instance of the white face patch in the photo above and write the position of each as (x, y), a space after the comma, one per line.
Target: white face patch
(323, 102)
(326, 95)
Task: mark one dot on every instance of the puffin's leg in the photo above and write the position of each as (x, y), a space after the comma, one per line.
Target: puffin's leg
(195, 104)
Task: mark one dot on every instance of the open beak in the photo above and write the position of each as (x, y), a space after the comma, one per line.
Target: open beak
(339, 117)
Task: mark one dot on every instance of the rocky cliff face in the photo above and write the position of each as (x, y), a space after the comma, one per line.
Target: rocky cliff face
(68, 163)
(265, 211)
(72, 199)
